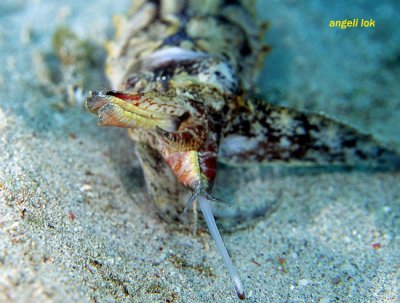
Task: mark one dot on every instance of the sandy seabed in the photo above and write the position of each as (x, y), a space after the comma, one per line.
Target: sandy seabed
(76, 224)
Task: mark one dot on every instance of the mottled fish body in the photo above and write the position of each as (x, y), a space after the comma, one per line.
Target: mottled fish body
(182, 76)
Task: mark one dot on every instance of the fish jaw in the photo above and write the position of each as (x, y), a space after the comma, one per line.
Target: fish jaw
(134, 110)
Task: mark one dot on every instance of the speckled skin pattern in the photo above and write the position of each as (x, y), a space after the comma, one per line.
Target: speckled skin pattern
(182, 74)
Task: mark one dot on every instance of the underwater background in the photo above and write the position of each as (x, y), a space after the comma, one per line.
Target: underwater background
(76, 224)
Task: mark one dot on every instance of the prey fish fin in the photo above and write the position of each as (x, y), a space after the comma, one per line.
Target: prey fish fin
(260, 132)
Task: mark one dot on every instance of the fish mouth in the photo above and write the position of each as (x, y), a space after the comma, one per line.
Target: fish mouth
(133, 109)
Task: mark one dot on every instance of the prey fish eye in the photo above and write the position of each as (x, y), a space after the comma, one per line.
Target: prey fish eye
(187, 101)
